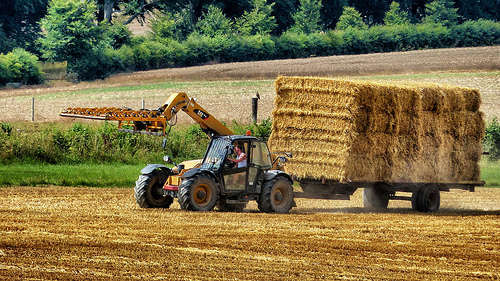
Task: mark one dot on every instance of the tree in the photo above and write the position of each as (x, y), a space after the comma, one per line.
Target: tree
(441, 12)
(19, 23)
(331, 12)
(214, 23)
(70, 30)
(395, 16)
(258, 21)
(308, 18)
(176, 25)
(350, 18)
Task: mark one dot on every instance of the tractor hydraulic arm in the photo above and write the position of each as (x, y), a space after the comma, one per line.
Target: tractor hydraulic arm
(153, 121)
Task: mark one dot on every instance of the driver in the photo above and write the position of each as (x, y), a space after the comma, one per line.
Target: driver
(241, 158)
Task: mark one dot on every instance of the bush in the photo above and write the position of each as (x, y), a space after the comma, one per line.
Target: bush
(492, 140)
(97, 144)
(144, 53)
(477, 33)
(99, 63)
(20, 66)
(118, 35)
(260, 130)
(248, 48)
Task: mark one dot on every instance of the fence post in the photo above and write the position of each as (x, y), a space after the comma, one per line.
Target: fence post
(32, 109)
(143, 107)
(255, 105)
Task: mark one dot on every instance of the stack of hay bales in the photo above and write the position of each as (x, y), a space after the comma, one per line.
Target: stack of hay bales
(364, 132)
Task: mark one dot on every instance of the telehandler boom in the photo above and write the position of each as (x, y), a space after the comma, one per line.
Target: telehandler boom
(154, 122)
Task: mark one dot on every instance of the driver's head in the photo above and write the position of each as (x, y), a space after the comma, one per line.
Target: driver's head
(237, 149)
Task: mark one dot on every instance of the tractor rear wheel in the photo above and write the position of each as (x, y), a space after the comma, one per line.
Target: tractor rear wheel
(375, 198)
(148, 191)
(223, 206)
(198, 193)
(276, 196)
(426, 199)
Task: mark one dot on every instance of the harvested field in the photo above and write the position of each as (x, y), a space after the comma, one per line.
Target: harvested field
(227, 100)
(92, 233)
(230, 100)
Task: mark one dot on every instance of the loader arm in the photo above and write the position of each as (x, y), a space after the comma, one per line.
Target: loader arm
(209, 124)
(154, 121)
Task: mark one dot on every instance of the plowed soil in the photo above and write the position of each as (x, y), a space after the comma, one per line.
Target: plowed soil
(91, 233)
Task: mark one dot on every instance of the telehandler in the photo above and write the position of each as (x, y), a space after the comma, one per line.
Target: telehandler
(200, 185)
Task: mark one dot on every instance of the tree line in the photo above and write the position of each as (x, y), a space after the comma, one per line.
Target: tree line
(90, 34)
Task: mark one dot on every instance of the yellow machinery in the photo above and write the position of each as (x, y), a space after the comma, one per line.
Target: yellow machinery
(153, 121)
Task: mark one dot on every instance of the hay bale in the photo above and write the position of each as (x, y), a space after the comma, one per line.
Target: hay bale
(360, 131)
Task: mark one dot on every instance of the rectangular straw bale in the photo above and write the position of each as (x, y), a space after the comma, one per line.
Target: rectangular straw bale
(361, 131)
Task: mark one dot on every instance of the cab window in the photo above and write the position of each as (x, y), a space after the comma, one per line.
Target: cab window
(260, 155)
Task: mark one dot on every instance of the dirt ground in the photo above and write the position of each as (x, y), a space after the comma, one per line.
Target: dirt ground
(230, 99)
(97, 233)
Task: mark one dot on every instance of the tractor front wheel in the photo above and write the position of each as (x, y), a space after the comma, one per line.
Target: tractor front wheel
(148, 191)
(276, 196)
(198, 193)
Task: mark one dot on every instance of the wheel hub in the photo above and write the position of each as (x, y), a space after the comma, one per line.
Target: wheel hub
(278, 196)
(201, 194)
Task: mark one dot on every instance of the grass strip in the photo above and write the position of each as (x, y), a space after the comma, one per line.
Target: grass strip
(94, 175)
(163, 86)
(490, 173)
(120, 175)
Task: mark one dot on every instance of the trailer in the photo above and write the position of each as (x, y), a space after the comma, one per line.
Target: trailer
(424, 197)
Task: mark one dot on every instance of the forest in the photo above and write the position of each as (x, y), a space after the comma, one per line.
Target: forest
(94, 39)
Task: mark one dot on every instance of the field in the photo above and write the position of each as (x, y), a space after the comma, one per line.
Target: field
(86, 233)
(99, 233)
(225, 89)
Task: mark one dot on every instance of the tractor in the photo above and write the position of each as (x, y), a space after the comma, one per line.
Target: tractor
(218, 182)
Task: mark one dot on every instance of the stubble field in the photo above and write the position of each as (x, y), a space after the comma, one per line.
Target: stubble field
(99, 233)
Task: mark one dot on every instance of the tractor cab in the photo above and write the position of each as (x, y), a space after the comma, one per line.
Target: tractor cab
(235, 170)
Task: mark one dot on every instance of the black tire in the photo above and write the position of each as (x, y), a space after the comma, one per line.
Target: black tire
(426, 199)
(223, 206)
(198, 193)
(148, 191)
(375, 198)
(276, 196)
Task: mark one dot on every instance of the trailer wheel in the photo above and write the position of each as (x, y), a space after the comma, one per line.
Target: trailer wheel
(276, 196)
(223, 206)
(148, 191)
(375, 198)
(426, 199)
(198, 193)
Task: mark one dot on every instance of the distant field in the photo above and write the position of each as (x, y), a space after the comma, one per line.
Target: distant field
(227, 100)
(225, 90)
(63, 233)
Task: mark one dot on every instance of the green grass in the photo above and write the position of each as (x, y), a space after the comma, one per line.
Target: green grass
(163, 86)
(120, 175)
(98, 175)
(490, 173)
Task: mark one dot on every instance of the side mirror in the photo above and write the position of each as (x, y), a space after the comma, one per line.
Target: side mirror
(167, 159)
